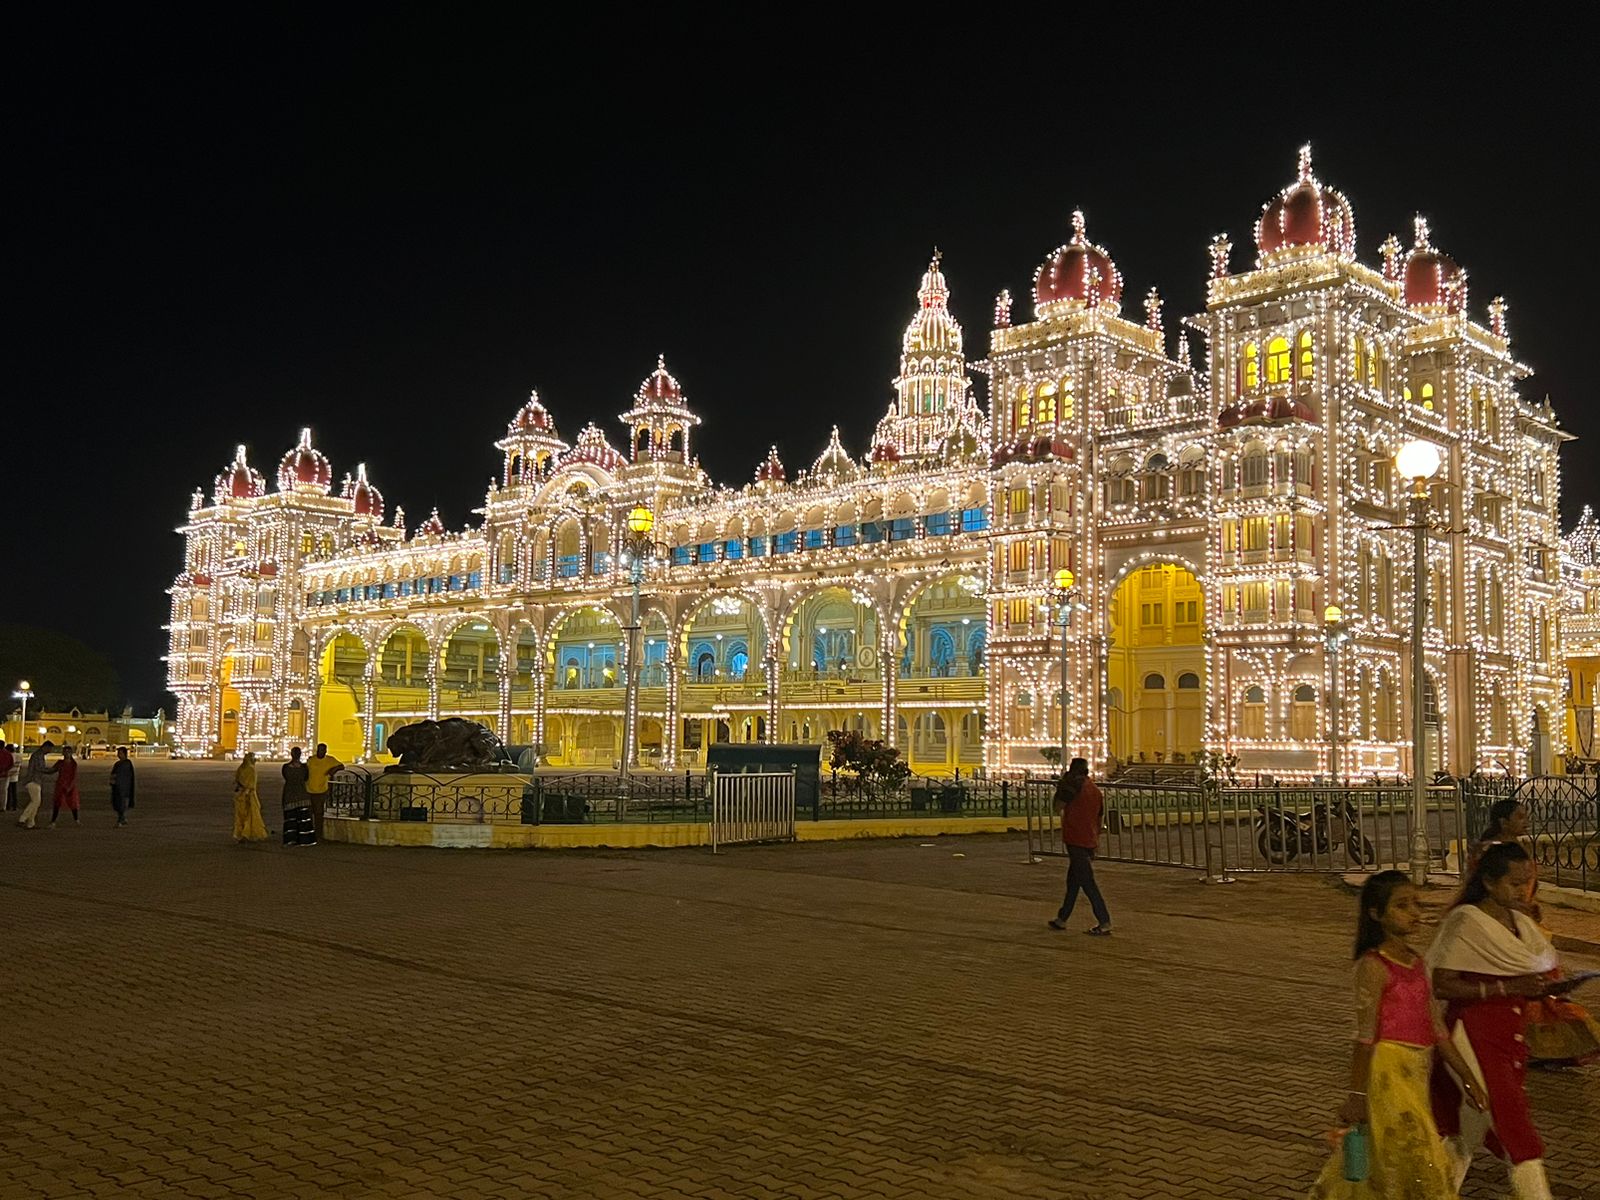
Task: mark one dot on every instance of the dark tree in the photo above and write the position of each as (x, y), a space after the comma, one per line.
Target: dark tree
(64, 672)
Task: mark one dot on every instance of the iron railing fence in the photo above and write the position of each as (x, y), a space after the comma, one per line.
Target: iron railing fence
(1282, 828)
(751, 807)
(1563, 822)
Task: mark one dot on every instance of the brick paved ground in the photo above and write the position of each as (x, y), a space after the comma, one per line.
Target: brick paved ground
(189, 1018)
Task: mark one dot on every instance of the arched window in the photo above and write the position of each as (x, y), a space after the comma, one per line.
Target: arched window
(1188, 681)
(1405, 393)
(1253, 472)
(1045, 408)
(1252, 367)
(1024, 408)
(1253, 713)
(705, 665)
(1427, 396)
(1358, 358)
(1155, 683)
(1307, 358)
(1377, 369)
(1303, 713)
(1065, 407)
(1278, 361)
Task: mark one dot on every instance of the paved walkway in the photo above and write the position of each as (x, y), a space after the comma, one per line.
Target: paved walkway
(190, 1018)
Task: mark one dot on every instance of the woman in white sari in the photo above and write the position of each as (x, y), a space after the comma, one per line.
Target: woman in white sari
(1488, 961)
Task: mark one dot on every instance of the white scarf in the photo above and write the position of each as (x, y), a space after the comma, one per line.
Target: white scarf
(1469, 939)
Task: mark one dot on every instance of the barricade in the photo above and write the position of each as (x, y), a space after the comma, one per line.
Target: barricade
(751, 808)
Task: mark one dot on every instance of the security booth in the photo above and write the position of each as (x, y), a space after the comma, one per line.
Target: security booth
(757, 758)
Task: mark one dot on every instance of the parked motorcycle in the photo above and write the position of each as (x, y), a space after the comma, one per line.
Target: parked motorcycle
(1282, 836)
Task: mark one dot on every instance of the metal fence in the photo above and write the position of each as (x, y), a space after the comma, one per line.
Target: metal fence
(750, 807)
(1563, 822)
(1221, 830)
(568, 799)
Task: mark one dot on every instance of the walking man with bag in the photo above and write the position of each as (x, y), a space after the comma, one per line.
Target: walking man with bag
(33, 784)
(1079, 802)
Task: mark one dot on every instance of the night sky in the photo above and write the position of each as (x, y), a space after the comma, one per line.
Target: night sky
(392, 232)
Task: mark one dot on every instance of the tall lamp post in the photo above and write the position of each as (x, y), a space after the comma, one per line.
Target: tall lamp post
(1334, 635)
(24, 693)
(1064, 595)
(640, 548)
(1418, 461)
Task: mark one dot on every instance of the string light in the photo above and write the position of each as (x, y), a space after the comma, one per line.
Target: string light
(1262, 470)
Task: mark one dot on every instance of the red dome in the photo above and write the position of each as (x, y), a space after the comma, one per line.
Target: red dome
(1255, 410)
(1307, 213)
(532, 417)
(432, 527)
(1076, 275)
(305, 468)
(367, 500)
(1026, 449)
(240, 481)
(1431, 278)
(884, 452)
(771, 469)
(1229, 417)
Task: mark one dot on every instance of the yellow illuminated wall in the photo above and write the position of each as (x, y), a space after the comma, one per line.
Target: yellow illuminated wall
(341, 697)
(1156, 666)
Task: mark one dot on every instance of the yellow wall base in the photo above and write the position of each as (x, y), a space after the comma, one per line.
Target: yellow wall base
(619, 836)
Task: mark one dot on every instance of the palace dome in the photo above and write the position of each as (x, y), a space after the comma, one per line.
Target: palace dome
(239, 481)
(305, 468)
(368, 500)
(432, 527)
(1078, 274)
(771, 468)
(1307, 213)
(1229, 417)
(885, 452)
(532, 417)
(660, 387)
(1031, 449)
(592, 447)
(835, 459)
(1431, 279)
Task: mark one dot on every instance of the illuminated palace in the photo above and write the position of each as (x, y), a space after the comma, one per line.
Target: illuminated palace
(1211, 510)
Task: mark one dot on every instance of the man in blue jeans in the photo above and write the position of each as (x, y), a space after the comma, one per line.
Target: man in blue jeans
(1080, 804)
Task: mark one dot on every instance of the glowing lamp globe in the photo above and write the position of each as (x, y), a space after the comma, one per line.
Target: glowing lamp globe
(24, 686)
(1333, 614)
(1418, 459)
(641, 521)
(1064, 580)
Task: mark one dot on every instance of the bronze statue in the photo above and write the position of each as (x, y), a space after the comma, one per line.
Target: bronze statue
(453, 744)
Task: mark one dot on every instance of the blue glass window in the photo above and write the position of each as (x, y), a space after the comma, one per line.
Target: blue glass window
(567, 566)
(937, 524)
(474, 579)
(390, 591)
(508, 572)
(680, 556)
(816, 539)
(844, 535)
(733, 548)
(602, 562)
(440, 583)
(758, 546)
(708, 552)
(343, 595)
(902, 528)
(786, 543)
(871, 531)
(974, 520)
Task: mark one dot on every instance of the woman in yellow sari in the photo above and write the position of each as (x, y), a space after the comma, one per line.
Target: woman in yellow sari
(1397, 1034)
(247, 823)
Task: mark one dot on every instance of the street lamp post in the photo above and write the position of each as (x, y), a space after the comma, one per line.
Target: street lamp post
(1334, 633)
(640, 548)
(24, 693)
(1063, 594)
(1418, 461)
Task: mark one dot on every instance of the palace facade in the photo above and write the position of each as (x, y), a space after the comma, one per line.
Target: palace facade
(1211, 507)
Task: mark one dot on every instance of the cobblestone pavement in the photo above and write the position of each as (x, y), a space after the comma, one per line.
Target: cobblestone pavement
(887, 1019)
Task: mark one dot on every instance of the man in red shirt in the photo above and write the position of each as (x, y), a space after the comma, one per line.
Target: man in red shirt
(1080, 803)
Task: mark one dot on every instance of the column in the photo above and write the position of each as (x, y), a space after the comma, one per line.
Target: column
(1172, 719)
(369, 712)
(769, 666)
(539, 684)
(669, 721)
(508, 667)
(891, 678)
(433, 687)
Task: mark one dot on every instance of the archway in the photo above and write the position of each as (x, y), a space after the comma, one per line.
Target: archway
(227, 705)
(1156, 665)
(943, 634)
(341, 696)
(469, 674)
(401, 684)
(583, 666)
(524, 674)
(833, 634)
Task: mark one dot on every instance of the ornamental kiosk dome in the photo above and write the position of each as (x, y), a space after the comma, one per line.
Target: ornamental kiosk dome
(432, 527)
(305, 469)
(771, 468)
(592, 447)
(368, 500)
(1306, 215)
(1075, 276)
(1431, 280)
(835, 460)
(239, 481)
(532, 417)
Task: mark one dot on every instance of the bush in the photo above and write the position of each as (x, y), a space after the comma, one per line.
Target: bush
(875, 765)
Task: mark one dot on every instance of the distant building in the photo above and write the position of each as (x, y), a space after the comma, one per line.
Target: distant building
(1210, 511)
(78, 728)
